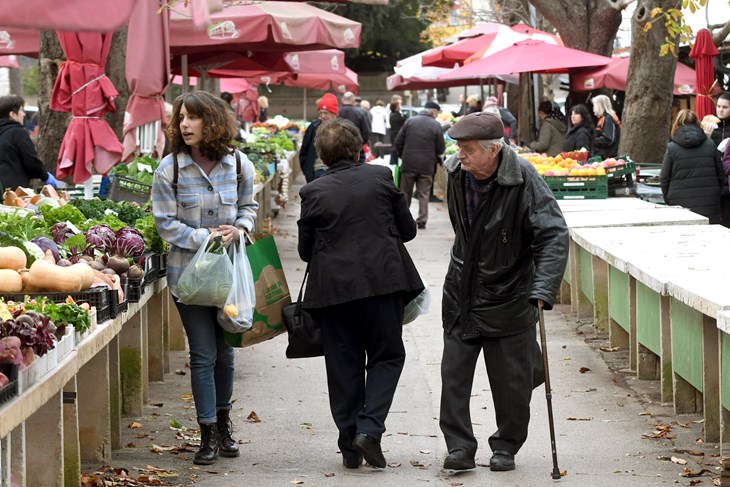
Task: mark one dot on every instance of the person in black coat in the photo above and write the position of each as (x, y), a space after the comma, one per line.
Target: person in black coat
(581, 132)
(608, 128)
(351, 231)
(19, 161)
(308, 160)
(396, 121)
(692, 175)
(356, 115)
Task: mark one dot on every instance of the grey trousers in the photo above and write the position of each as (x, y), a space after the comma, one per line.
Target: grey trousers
(423, 188)
(514, 367)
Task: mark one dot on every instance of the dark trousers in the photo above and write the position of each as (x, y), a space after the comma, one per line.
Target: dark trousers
(423, 185)
(364, 355)
(514, 367)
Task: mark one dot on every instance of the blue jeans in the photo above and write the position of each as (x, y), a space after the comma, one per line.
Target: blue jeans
(211, 361)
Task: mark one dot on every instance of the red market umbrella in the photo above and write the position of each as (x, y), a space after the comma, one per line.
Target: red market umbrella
(148, 74)
(10, 61)
(265, 26)
(83, 89)
(71, 15)
(614, 76)
(703, 52)
(528, 56)
(323, 62)
(340, 82)
(23, 42)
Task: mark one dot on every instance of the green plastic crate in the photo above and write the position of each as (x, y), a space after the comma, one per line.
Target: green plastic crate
(629, 167)
(578, 187)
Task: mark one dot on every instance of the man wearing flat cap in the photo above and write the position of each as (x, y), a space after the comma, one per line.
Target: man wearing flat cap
(420, 144)
(509, 254)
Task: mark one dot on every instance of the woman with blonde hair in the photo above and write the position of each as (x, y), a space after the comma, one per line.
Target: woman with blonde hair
(263, 109)
(608, 128)
(692, 175)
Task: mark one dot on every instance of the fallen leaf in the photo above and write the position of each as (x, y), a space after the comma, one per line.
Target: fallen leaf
(425, 452)
(695, 482)
(696, 453)
(716, 481)
(566, 358)
(689, 473)
(329, 474)
(456, 484)
(564, 473)
(181, 372)
(296, 481)
(661, 432)
(157, 404)
(131, 445)
(416, 463)
(177, 425)
(645, 413)
(609, 349)
(253, 417)
(394, 465)
(306, 426)
(679, 461)
(134, 425)
(161, 449)
(187, 397)
(571, 418)
(583, 370)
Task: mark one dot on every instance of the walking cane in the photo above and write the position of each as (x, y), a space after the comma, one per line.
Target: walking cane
(548, 392)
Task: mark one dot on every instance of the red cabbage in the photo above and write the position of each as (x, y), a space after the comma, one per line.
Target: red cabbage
(45, 244)
(129, 242)
(60, 232)
(101, 237)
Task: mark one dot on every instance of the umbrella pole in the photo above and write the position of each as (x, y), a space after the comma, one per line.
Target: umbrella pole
(481, 90)
(305, 103)
(184, 72)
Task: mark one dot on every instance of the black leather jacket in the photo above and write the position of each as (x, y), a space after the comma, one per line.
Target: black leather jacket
(513, 255)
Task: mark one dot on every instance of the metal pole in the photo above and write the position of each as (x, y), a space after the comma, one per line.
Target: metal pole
(184, 69)
(548, 392)
(305, 104)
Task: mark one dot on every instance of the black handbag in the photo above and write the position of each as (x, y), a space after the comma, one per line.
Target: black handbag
(305, 334)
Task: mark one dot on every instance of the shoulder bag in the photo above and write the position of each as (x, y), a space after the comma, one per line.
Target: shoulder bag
(305, 334)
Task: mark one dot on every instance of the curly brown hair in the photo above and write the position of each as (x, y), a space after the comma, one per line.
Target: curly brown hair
(219, 124)
(338, 139)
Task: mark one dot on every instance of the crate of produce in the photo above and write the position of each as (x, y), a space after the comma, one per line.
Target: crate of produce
(163, 265)
(81, 336)
(135, 289)
(66, 344)
(115, 307)
(9, 390)
(580, 156)
(618, 170)
(578, 187)
(150, 262)
(128, 189)
(97, 297)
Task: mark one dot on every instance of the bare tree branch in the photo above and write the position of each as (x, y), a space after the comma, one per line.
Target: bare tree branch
(620, 4)
(719, 36)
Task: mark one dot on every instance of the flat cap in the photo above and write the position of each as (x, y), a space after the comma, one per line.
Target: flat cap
(478, 126)
(432, 105)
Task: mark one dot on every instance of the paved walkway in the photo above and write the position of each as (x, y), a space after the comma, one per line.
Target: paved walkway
(602, 414)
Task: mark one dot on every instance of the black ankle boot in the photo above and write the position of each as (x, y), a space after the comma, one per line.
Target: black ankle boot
(228, 446)
(208, 445)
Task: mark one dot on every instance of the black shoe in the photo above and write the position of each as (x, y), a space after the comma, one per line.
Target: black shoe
(421, 225)
(352, 461)
(228, 447)
(459, 460)
(502, 461)
(208, 445)
(370, 449)
(434, 199)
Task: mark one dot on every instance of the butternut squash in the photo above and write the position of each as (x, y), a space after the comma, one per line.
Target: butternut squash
(12, 258)
(85, 272)
(10, 281)
(50, 277)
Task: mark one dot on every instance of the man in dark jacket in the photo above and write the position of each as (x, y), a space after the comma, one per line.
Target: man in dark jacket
(508, 259)
(356, 115)
(19, 162)
(308, 160)
(420, 143)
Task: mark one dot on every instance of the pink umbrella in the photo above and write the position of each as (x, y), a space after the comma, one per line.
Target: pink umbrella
(324, 62)
(337, 82)
(83, 89)
(23, 42)
(528, 56)
(148, 74)
(703, 52)
(10, 61)
(265, 26)
(614, 75)
(76, 15)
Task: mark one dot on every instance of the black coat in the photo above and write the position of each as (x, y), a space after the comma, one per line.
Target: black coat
(607, 138)
(19, 162)
(420, 144)
(722, 131)
(513, 254)
(692, 175)
(396, 121)
(577, 137)
(351, 231)
(358, 116)
(307, 151)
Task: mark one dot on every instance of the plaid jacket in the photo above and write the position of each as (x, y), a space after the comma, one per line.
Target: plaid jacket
(203, 202)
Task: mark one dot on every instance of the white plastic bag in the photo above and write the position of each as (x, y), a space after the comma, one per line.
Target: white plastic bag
(418, 306)
(237, 314)
(207, 279)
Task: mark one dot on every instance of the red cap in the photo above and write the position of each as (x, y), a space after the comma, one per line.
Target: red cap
(329, 103)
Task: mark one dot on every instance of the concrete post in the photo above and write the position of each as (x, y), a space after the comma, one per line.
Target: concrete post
(71, 450)
(130, 366)
(711, 378)
(94, 410)
(156, 338)
(44, 433)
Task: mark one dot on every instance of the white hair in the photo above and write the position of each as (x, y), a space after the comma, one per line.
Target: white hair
(601, 105)
(491, 109)
(486, 144)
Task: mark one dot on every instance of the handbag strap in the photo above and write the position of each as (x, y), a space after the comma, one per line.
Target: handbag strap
(298, 309)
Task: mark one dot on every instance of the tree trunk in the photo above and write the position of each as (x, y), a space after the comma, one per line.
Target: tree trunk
(117, 74)
(588, 25)
(648, 104)
(52, 124)
(16, 81)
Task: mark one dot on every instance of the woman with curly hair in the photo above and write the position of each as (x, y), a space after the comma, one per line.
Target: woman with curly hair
(204, 188)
